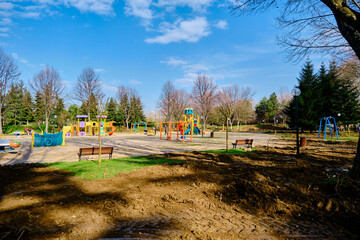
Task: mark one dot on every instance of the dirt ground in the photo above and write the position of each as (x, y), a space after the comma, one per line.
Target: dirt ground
(263, 194)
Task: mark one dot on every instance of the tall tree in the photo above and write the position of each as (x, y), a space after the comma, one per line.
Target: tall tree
(167, 100)
(227, 99)
(335, 26)
(14, 106)
(128, 99)
(48, 84)
(73, 111)
(261, 109)
(331, 26)
(204, 95)
(88, 88)
(181, 101)
(111, 109)
(244, 112)
(8, 74)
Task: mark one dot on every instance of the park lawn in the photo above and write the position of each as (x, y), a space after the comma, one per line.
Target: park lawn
(92, 170)
(236, 151)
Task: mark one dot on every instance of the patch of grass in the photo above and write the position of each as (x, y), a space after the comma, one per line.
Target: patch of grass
(92, 170)
(236, 151)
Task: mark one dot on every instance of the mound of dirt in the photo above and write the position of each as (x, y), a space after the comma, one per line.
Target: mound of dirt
(268, 193)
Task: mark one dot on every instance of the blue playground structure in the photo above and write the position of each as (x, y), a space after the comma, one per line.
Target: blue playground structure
(327, 123)
(138, 124)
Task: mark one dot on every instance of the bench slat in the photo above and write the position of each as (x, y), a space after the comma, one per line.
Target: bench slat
(95, 151)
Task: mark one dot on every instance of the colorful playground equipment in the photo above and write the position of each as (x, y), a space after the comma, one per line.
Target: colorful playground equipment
(47, 139)
(327, 122)
(190, 122)
(8, 145)
(191, 119)
(89, 128)
(138, 124)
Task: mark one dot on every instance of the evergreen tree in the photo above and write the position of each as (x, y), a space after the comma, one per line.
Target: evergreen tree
(27, 111)
(14, 104)
(38, 112)
(261, 109)
(73, 111)
(308, 101)
(273, 107)
(111, 110)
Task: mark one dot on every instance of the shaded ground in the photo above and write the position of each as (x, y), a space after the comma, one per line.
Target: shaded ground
(265, 194)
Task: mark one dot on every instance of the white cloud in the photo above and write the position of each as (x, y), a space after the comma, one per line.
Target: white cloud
(188, 31)
(4, 35)
(135, 82)
(101, 7)
(4, 29)
(99, 70)
(5, 21)
(22, 60)
(6, 5)
(196, 5)
(186, 81)
(139, 8)
(174, 62)
(222, 24)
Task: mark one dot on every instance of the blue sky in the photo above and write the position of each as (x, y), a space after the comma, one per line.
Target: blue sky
(143, 43)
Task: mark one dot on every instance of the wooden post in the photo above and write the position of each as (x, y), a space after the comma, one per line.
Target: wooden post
(170, 130)
(160, 130)
(192, 129)
(183, 132)
(177, 131)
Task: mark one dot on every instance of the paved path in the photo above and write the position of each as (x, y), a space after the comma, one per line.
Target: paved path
(124, 145)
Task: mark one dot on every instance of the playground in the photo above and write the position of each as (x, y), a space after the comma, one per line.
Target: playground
(262, 194)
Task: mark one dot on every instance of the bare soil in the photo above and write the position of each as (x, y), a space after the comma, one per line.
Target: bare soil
(263, 194)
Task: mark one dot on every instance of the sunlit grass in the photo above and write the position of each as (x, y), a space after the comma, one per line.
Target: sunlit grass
(92, 170)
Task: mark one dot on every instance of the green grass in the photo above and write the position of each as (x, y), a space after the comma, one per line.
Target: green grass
(92, 170)
(230, 151)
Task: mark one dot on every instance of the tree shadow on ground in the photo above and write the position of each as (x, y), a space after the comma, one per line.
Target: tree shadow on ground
(273, 184)
(41, 203)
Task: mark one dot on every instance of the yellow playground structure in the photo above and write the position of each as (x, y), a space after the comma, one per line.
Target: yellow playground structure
(89, 128)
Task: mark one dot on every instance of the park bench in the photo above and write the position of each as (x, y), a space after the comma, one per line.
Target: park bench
(95, 151)
(247, 142)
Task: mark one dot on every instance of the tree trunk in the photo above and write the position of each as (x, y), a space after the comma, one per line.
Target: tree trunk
(46, 124)
(355, 169)
(127, 124)
(204, 123)
(237, 127)
(99, 138)
(227, 135)
(89, 119)
(1, 131)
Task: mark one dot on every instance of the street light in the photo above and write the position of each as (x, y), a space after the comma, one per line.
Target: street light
(55, 116)
(296, 92)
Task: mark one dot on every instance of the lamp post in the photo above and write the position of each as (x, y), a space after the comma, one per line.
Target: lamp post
(55, 116)
(296, 93)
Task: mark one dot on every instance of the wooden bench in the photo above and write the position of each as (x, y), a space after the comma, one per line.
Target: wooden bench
(95, 151)
(247, 142)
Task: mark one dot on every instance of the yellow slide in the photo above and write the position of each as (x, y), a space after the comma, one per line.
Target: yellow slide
(65, 130)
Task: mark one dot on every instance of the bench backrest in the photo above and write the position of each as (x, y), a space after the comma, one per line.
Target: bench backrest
(244, 141)
(95, 150)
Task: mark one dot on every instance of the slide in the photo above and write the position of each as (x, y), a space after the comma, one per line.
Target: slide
(113, 128)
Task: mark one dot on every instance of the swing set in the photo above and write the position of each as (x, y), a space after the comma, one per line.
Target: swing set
(327, 123)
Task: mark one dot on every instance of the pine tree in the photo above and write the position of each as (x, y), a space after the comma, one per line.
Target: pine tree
(27, 110)
(308, 101)
(14, 107)
(273, 107)
(111, 109)
(73, 111)
(261, 109)
(38, 112)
